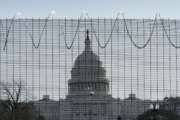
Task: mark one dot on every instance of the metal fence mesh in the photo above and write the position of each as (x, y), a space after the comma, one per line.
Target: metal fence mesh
(141, 57)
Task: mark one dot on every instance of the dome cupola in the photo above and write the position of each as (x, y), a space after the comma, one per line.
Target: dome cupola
(87, 75)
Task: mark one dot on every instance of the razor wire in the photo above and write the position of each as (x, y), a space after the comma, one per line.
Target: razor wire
(93, 31)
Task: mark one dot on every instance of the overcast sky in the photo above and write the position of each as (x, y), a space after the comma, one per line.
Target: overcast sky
(101, 8)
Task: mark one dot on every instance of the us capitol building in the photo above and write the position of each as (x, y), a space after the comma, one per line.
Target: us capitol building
(88, 94)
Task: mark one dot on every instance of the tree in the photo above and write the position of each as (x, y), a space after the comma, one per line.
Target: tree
(40, 117)
(119, 117)
(158, 115)
(13, 108)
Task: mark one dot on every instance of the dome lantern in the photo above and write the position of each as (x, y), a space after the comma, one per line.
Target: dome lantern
(87, 42)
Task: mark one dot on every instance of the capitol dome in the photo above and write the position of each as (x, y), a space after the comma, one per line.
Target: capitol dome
(88, 75)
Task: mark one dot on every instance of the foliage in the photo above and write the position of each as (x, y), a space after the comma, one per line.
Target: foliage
(22, 111)
(13, 108)
(158, 115)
